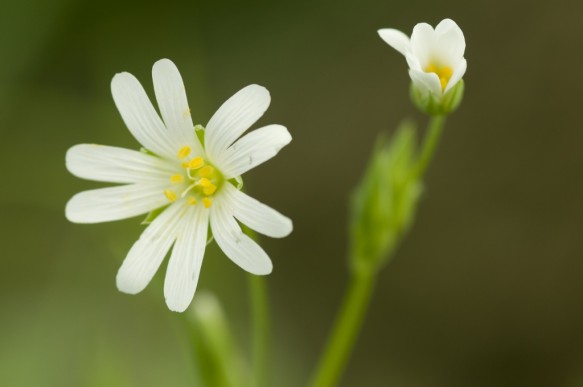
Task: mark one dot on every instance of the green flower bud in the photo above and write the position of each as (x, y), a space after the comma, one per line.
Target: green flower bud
(384, 203)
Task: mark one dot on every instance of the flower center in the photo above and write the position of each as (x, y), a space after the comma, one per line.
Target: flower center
(443, 72)
(197, 183)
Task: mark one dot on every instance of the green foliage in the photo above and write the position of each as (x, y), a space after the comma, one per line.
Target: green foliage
(384, 203)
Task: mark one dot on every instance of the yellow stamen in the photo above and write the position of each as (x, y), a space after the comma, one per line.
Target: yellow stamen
(184, 164)
(196, 163)
(209, 189)
(204, 182)
(443, 72)
(207, 202)
(206, 171)
(170, 195)
(176, 179)
(191, 200)
(183, 152)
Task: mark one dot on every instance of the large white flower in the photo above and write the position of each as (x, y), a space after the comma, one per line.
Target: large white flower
(190, 174)
(435, 57)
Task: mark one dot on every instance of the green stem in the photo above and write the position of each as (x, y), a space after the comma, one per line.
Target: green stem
(260, 316)
(434, 130)
(346, 329)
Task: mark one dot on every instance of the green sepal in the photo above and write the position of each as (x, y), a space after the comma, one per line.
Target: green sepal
(148, 152)
(199, 131)
(153, 215)
(442, 105)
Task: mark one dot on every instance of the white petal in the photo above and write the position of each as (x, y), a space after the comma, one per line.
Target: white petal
(115, 203)
(139, 115)
(422, 43)
(171, 97)
(458, 74)
(115, 165)
(237, 246)
(186, 259)
(233, 118)
(253, 149)
(450, 43)
(426, 82)
(147, 253)
(396, 39)
(256, 215)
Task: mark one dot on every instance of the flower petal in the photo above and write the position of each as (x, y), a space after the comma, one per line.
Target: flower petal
(256, 215)
(115, 165)
(458, 74)
(186, 259)
(237, 246)
(396, 39)
(422, 43)
(171, 97)
(450, 43)
(253, 149)
(426, 82)
(140, 116)
(233, 118)
(147, 253)
(115, 203)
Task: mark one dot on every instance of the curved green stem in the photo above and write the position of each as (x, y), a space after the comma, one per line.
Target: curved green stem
(260, 316)
(434, 130)
(345, 332)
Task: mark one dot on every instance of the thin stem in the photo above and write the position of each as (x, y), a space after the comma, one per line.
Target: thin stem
(434, 130)
(260, 316)
(346, 329)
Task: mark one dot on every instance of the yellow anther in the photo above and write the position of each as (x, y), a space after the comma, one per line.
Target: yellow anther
(176, 179)
(444, 73)
(170, 195)
(196, 163)
(183, 152)
(206, 171)
(207, 202)
(191, 200)
(204, 182)
(209, 189)
(443, 82)
(184, 164)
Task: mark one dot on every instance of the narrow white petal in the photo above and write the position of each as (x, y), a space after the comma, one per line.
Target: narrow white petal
(426, 82)
(422, 43)
(115, 203)
(396, 39)
(458, 74)
(235, 244)
(116, 165)
(256, 215)
(233, 118)
(171, 97)
(147, 253)
(140, 116)
(253, 149)
(186, 259)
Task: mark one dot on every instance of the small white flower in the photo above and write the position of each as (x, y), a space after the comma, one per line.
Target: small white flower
(435, 57)
(192, 177)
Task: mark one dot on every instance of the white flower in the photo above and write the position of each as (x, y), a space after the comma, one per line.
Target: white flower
(435, 57)
(191, 176)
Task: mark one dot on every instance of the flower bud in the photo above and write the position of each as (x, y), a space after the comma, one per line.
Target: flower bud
(384, 203)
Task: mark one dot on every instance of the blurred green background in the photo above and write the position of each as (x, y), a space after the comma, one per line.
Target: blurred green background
(485, 291)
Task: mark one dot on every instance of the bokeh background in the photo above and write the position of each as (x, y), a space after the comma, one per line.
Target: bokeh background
(486, 290)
